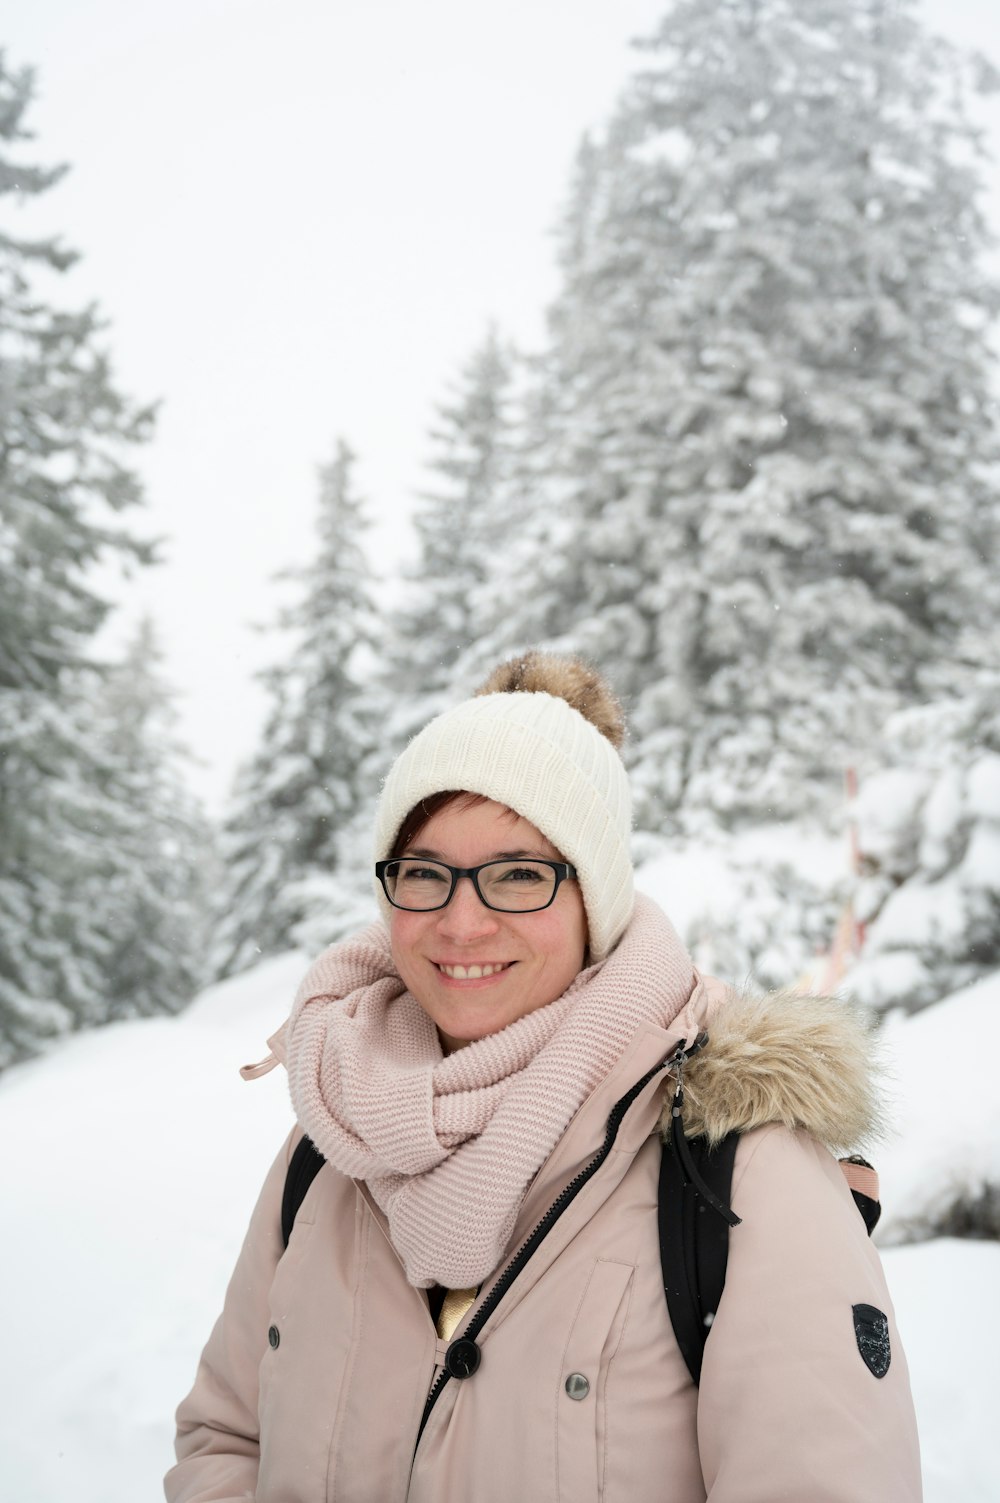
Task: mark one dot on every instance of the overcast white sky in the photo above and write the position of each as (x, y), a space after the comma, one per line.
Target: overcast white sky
(299, 218)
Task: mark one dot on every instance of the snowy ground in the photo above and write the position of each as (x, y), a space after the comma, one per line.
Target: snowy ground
(137, 1154)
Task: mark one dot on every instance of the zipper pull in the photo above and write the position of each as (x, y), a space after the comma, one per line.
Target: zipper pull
(683, 1053)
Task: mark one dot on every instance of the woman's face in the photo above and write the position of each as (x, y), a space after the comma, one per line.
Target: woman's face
(538, 954)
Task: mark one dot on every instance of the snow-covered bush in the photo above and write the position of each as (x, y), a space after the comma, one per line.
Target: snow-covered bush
(756, 908)
(929, 834)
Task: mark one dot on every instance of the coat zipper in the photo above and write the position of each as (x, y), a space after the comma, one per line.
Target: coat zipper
(463, 1355)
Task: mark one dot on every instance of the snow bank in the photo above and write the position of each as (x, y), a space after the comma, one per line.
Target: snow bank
(947, 1300)
(140, 1152)
(946, 1108)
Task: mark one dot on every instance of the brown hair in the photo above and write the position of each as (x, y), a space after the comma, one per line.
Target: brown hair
(422, 813)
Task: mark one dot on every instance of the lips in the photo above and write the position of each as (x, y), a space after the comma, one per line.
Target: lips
(473, 972)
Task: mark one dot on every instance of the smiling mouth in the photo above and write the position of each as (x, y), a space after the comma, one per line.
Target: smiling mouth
(473, 972)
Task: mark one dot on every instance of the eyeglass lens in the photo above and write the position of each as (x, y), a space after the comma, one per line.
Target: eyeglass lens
(511, 886)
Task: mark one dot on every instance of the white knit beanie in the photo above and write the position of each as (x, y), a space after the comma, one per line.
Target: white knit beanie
(540, 757)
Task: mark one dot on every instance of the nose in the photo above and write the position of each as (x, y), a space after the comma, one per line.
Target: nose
(466, 918)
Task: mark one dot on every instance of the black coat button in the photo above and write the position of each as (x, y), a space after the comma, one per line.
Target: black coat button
(462, 1358)
(273, 1335)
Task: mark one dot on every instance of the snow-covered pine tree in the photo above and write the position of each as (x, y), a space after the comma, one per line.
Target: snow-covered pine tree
(153, 890)
(288, 837)
(65, 433)
(453, 594)
(769, 501)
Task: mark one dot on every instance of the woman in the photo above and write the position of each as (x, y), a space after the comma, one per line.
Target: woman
(457, 1065)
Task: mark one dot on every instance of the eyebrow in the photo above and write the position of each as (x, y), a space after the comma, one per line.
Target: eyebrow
(428, 855)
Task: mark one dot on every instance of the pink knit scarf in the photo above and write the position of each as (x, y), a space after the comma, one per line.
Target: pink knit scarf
(448, 1146)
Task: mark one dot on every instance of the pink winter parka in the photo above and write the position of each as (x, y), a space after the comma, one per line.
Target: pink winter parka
(313, 1383)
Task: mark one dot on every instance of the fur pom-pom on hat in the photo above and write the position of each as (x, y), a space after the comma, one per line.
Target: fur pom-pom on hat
(541, 738)
(581, 686)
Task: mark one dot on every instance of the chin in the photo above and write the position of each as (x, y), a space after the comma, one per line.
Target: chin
(461, 1034)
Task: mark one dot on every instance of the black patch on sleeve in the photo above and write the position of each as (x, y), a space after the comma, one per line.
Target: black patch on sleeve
(871, 1328)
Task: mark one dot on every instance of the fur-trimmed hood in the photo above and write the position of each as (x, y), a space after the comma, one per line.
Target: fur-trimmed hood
(806, 1062)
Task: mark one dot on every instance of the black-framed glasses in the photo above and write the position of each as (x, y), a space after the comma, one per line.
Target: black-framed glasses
(512, 886)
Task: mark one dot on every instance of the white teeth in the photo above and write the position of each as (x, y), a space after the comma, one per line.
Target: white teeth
(471, 972)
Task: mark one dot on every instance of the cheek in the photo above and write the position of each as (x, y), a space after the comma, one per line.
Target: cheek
(567, 943)
(404, 932)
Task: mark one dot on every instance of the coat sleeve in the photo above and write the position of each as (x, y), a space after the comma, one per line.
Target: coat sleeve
(788, 1407)
(218, 1435)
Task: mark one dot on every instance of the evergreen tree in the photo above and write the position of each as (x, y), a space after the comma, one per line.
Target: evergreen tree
(65, 432)
(770, 510)
(454, 595)
(291, 829)
(153, 894)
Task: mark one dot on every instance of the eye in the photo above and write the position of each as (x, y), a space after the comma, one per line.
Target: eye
(416, 873)
(527, 874)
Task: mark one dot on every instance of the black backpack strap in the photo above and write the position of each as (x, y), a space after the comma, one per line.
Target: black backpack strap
(871, 1210)
(694, 1241)
(303, 1167)
(692, 1211)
